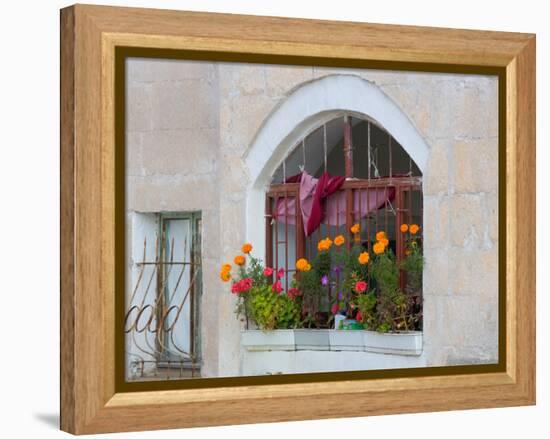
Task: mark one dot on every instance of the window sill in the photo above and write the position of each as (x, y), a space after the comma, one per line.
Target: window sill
(406, 343)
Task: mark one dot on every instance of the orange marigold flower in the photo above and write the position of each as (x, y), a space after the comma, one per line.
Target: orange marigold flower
(414, 229)
(324, 244)
(302, 264)
(225, 276)
(226, 267)
(384, 241)
(363, 258)
(404, 228)
(356, 228)
(378, 248)
(239, 260)
(357, 237)
(380, 235)
(246, 248)
(339, 240)
(308, 267)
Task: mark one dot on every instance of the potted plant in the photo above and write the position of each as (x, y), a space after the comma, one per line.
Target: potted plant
(262, 303)
(362, 290)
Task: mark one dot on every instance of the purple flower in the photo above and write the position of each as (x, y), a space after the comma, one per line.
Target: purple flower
(337, 269)
(324, 280)
(340, 295)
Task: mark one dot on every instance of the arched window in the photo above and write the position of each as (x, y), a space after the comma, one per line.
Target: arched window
(347, 171)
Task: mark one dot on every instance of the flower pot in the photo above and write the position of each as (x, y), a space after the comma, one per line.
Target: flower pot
(394, 343)
(346, 340)
(311, 339)
(276, 340)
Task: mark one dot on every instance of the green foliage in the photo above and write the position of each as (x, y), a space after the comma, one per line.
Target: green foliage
(271, 310)
(254, 270)
(413, 265)
(367, 305)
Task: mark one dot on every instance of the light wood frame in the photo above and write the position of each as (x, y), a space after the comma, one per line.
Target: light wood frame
(89, 36)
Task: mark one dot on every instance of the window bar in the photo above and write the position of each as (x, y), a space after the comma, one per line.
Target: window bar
(368, 151)
(337, 232)
(368, 184)
(268, 231)
(386, 209)
(300, 236)
(348, 160)
(376, 189)
(399, 221)
(286, 228)
(276, 224)
(386, 187)
(390, 155)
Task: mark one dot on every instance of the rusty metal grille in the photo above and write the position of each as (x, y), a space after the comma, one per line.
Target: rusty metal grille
(162, 314)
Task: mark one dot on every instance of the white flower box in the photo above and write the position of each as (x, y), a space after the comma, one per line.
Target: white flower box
(276, 340)
(408, 343)
(311, 339)
(346, 340)
(394, 343)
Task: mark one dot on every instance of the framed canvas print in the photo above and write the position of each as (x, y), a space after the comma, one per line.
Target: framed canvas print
(266, 218)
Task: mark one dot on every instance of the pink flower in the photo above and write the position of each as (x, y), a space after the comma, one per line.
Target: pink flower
(361, 286)
(359, 316)
(293, 293)
(280, 273)
(268, 271)
(335, 308)
(277, 287)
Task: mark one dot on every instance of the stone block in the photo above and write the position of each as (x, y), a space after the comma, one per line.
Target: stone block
(281, 82)
(134, 153)
(466, 222)
(466, 111)
(158, 70)
(211, 232)
(438, 275)
(491, 216)
(436, 221)
(240, 119)
(241, 79)
(436, 176)
(139, 107)
(189, 151)
(475, 165)
(171, 193)
(475, 273)
(185, 104)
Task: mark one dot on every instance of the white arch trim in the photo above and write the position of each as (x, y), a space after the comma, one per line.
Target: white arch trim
(307, 107)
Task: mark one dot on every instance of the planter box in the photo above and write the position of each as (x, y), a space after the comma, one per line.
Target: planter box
(311, 339)
(346, 340)
(277, 340)
(392, 343)
(395, 343)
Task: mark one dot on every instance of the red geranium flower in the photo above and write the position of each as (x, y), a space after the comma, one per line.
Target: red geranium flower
(277, 287)
(268, 271)
(280, 273)
(293, 293)
(361, 286)
(241, 286)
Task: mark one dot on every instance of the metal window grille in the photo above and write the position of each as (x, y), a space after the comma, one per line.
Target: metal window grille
(374, 165)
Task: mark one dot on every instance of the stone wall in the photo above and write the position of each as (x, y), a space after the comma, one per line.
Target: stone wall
(190, 125)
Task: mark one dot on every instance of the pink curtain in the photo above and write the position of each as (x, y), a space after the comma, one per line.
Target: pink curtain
(321, 202)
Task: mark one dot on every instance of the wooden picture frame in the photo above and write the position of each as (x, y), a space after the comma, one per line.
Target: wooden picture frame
(90, 38)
